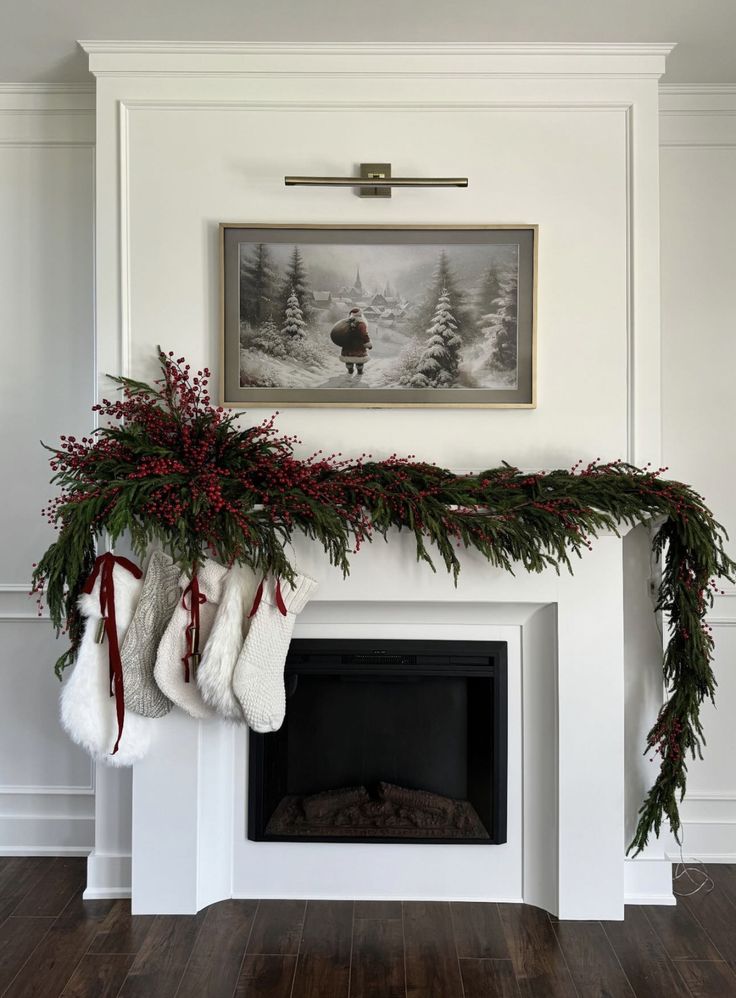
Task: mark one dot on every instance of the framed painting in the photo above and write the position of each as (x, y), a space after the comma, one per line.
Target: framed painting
(351, 315)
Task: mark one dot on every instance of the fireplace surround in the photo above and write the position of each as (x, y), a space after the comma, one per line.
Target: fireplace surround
(385, 741)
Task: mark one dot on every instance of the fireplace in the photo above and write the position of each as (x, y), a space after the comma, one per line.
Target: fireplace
(385, 741)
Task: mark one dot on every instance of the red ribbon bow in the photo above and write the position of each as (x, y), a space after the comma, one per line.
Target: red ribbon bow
(259, 596)
(103, 568)
(192, 630)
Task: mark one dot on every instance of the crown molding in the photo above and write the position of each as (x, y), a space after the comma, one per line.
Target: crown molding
(95, 47)
(460, 59)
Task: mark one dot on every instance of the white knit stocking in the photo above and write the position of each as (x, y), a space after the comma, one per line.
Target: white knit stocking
(169, 671)
(258, 680)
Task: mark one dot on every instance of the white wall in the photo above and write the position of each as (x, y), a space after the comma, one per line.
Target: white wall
(46, 193)
(46, 318)
(698, 178)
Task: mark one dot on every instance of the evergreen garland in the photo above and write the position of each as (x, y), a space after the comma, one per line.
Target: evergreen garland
(169, 466)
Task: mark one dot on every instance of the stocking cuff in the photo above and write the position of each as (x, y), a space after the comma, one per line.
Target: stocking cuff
(294, 599)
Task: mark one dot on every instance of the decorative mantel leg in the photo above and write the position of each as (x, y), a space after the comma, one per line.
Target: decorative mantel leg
(183, 818)
(590, 646)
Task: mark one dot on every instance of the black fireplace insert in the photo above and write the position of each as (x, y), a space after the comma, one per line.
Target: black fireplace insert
(385, 741)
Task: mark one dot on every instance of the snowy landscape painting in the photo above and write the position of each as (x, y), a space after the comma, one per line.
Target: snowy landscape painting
(379, 322)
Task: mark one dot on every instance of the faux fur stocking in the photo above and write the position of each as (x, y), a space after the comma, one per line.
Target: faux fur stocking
(258, 680)
(175, 672)
(88, 712)
(215, 675)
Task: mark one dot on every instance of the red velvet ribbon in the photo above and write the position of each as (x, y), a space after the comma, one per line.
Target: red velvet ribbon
(192, 630)
(103, 568)
(259, 596)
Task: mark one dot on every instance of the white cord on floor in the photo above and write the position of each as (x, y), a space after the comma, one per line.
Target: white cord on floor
(696, 872)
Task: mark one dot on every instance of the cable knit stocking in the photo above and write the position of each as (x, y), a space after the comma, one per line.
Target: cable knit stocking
(88, 712)
(176, 680)
(258, 680)
(159, 597)
(215, 675)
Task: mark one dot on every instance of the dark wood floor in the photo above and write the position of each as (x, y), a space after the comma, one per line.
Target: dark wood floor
(53, 944)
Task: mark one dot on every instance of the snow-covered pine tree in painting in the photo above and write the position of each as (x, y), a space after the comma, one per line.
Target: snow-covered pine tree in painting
(445, 281)
(294, 327)
(296, 283)
(504, 351)
(257, 285)
(489, 292)
(440, 359)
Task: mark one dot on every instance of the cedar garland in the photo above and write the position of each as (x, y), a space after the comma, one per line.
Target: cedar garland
(169, 466)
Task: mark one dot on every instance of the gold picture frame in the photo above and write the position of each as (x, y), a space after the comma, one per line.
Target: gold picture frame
(255, 371)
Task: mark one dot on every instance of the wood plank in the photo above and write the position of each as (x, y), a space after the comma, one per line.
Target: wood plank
(19, 873)
(98, 975)
(19, 937)
(478, 931)
(717, 916)
(538, 962)
(53, 891)
(278, 927)
(378, 909)
(593, 965)
(377, 969)
(122, 933)
(680, 933)
(724, 877)
(432, 969)
(214, 967)
(159, 966)
(51, 964)
(266, 977)
(708, 979)
(643, 958)
(323, 966)
(488, 978)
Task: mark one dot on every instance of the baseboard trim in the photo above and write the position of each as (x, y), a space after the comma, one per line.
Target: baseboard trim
(45, 850)
(106, 893)
(703, 857)
(109, 876)
(660, 899)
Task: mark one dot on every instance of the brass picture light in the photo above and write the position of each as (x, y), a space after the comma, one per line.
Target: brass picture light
(375, 181)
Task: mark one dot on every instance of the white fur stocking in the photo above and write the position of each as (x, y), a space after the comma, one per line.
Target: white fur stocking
(215, 674)
(258, 680)
(87, 710)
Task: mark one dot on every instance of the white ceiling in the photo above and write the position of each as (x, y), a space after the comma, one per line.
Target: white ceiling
(38, 37)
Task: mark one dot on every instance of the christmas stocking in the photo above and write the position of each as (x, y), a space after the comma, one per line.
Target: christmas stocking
(177, 659)
(92, 717)
(258, 680)
(159, 597)
(215, 675)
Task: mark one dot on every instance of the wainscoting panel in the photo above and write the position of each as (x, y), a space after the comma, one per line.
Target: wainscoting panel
(698, 184)
(46, 385)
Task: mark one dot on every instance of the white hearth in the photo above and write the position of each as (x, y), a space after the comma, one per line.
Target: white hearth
(567, 825)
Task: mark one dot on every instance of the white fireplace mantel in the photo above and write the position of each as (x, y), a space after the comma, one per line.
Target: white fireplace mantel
(568, 825)
(193, 134)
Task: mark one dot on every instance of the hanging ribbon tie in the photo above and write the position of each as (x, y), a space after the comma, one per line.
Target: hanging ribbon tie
(103, 569)
(259, 596)
(196, 599)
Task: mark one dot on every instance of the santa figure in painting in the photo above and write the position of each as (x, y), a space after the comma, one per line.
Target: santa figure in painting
(351, 335)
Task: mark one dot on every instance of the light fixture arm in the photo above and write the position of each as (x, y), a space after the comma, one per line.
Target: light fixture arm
(375, 181)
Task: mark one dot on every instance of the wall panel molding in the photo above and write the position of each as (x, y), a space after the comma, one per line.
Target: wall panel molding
(47, 141)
